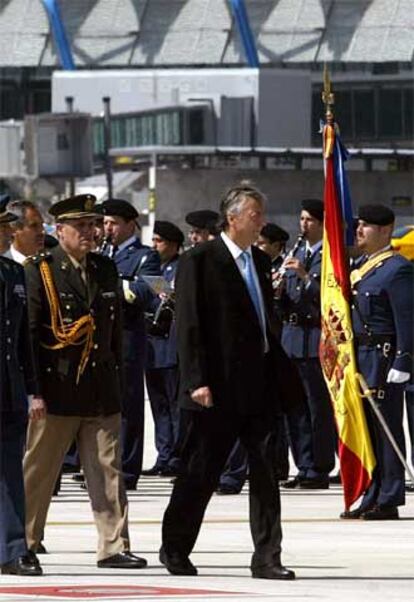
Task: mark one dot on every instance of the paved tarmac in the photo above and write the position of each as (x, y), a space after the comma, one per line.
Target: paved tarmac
(334, 560)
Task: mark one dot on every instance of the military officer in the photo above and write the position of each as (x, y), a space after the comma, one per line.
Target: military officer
(18, 378)
(75, 323)
(203, 225)
(311, 433)
(133, 260)
(162, 369)
(382, 316)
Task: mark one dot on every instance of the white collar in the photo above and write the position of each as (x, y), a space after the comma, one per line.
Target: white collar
(234, 249)
(16, 255)
(315, 247)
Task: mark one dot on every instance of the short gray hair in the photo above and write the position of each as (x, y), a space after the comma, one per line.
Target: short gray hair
(234, 199)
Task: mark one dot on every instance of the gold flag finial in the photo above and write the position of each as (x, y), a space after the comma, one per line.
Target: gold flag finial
(328, 97)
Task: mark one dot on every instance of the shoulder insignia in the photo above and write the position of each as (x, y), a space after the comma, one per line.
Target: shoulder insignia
(42, 256)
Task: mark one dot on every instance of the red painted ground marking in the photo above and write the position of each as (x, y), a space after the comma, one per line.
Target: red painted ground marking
(107, 591)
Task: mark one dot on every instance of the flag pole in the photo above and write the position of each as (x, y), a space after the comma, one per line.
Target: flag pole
(375, 407)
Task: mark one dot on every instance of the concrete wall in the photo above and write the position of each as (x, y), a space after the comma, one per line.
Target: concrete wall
(181, 191)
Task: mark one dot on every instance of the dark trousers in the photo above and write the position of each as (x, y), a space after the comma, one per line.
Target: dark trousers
(162, 390)
(235, 471)
(12, 501)
(211, 436)
(388, 484)
(132, 427)
(409, 404)
(311, 432)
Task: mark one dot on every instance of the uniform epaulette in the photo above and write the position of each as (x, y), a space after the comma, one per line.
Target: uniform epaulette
(42, 256)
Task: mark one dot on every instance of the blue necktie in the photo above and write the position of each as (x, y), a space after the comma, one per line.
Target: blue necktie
(253, 291)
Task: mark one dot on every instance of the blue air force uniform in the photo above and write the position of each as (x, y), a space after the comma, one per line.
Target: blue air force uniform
(133, 261)
(162, 383)
(383, 329)
(311, 434)
(17, 379)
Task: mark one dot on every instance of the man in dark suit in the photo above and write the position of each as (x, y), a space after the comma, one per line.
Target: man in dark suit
(162, 361)
(311, 432)
(382, 316)
(74, 312)
(17, 379)
(233, 379)
(133, 260)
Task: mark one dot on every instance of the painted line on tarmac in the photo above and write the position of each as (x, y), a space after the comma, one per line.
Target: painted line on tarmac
(211, 521)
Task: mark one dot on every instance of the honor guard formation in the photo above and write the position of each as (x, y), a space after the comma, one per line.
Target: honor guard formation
(224, 328)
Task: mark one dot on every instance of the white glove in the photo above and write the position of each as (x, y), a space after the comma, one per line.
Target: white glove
(128, 294)
(397, 376)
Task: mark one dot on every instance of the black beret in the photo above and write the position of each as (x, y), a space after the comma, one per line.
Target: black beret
(168, 231)
(75, 207)
(314, 207)
(120, 208)
(6, 216)
(274, 233)
(205, 219)
(378, 215)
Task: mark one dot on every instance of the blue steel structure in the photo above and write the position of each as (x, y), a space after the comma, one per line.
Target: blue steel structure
(242, 20)
(59, 35)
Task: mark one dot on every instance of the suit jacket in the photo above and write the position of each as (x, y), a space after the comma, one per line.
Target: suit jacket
(220, 343)
(18, 376)
(302, 303)
(383, 301)
(98, 390)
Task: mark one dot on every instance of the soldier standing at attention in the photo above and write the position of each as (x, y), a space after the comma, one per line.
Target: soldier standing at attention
(74, 313)
(382, 316)
(17, 380)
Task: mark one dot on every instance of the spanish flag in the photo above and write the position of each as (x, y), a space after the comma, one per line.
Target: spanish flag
(337, 354)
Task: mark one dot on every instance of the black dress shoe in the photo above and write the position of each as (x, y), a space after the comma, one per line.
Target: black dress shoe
(292, 484)
(176, 564)
(24, 566)
(227, 490)
(273, 572)
(335, 479)
(351, 514)
(314, 483)
(41, 549)
(409, 487)
(78, 477)
(123, 560)
(381, 513)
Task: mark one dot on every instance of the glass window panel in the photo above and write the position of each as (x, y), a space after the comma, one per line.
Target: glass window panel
(389, 118)
(364, 113)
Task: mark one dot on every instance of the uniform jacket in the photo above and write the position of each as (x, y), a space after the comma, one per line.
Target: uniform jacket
(219, 339)
(162, 352)
(18, 375)
(383, 301)
(98, 390)
(301, 308)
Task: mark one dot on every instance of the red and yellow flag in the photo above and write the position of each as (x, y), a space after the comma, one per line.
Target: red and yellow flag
(337, 354)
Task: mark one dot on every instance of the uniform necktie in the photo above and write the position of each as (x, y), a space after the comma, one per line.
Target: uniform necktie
(253, 291)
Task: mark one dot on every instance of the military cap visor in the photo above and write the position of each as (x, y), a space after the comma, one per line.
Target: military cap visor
(378, 215)
(168, 231)
(119, 208)
(76, 207)
(314, 207)
(274, 233)
(6, 216)
(203, 219)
